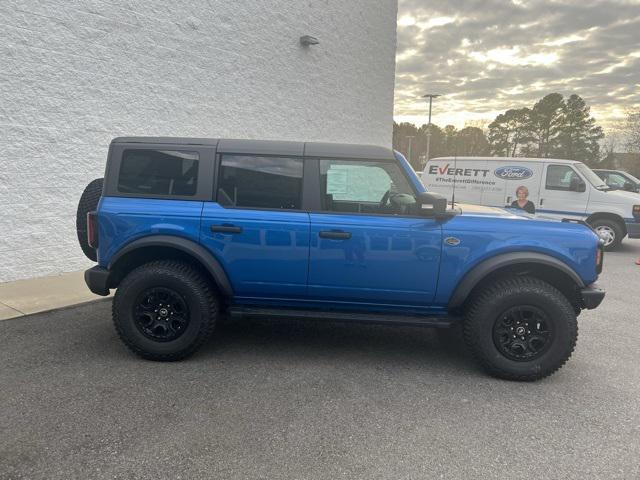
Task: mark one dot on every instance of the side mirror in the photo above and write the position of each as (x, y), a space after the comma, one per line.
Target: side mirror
(629, 187)
(577, 185)
(431, 204)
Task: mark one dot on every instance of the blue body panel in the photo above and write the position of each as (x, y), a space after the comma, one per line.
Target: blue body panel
(123, 220)
(390, 263)
(388, 260)
(483, 236)
(270, 257)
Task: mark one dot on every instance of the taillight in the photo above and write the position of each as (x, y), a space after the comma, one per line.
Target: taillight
(92, 229)
(600, 256)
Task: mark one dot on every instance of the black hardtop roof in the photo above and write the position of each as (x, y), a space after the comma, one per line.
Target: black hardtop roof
(273, 147)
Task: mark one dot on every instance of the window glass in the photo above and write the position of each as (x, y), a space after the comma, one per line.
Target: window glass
(590, 175)
(365, 187)
(260, 182)
(559, 177)
(616, 180)
(158, 172)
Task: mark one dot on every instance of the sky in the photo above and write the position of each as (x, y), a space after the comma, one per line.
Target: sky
(488, 56)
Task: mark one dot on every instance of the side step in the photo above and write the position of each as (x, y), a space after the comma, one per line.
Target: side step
(441, 321)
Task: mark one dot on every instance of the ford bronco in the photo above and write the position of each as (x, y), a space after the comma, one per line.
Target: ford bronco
(189, 229)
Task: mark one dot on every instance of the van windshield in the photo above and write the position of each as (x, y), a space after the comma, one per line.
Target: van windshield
(591, 176)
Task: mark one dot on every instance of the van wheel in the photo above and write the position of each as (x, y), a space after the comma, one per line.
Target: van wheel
(164, 310)
(520, 328)
(88, 202)
(610, 231)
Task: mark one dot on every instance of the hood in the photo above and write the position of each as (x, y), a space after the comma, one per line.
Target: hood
(622, 196)
(467, 209)
(470, 209)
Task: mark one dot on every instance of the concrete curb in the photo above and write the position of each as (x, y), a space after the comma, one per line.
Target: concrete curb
(43, 294)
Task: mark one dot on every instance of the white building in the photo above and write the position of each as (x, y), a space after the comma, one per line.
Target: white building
(75, 75)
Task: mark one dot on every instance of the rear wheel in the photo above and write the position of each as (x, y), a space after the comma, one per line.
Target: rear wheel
(610, 231)
(164, 310)
(521, 329)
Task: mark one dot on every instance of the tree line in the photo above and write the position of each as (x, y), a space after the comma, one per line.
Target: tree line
(554, 127)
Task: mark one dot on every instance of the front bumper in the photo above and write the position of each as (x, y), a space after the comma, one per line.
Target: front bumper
(633, 229)
(97, 279)
(592, 296)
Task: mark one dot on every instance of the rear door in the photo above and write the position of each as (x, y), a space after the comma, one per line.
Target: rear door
(256, 226)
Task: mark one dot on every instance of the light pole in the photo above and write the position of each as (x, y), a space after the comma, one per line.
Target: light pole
(410, 137)
(430, 96)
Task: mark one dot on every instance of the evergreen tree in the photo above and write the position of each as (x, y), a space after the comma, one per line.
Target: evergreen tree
(546, 120)
(510, 132)
(579, 135)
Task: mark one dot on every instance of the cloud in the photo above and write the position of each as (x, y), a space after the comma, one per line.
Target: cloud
(489, 56)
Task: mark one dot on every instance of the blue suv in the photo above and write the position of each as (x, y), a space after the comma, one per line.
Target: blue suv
(190, 229)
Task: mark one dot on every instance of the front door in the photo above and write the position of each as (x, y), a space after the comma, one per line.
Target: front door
(368, 246)
(564, 192)
(257, 228)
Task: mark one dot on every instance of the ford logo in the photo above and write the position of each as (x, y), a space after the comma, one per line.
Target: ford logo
(513, 173)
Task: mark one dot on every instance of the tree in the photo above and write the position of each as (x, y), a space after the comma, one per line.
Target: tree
(510, 132)
(632, 130)
(471, 141)
(579, 135)
(545, 125)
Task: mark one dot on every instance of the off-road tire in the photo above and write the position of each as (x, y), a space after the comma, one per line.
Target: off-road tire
(187, 281)
(614, 227)
(487, 306)
(88, 202)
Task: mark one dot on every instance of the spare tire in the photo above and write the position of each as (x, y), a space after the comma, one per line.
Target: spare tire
(88, 202)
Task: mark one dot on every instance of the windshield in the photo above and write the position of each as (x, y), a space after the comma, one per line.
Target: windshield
(632, 178)
(591, 176)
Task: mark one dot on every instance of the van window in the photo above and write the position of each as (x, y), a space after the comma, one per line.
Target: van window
(158, 172)
(559, 177)
(365, 187)
(260, 182)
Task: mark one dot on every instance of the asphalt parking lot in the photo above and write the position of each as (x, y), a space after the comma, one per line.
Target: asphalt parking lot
(282, 399)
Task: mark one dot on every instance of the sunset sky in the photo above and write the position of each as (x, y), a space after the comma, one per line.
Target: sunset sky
(488, 56)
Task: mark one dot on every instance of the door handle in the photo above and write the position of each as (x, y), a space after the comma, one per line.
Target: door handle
(335, 235)
(541, 201)
(226, 229)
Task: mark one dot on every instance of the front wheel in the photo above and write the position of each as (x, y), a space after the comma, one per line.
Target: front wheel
(521, 328)
(610, 231)
(164, 310)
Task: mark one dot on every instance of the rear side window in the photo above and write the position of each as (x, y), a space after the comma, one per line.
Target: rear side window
(249, 181)
(158, 172)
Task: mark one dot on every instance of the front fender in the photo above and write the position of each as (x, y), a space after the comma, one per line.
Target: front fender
(474, 276)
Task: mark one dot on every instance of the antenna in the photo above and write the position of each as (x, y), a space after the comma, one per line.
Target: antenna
(455, 172)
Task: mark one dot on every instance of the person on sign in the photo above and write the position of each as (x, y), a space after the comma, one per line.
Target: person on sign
(522, 203)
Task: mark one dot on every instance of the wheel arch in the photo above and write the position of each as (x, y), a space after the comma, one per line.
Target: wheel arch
(160, 247)
(608, 216)
(539, 265)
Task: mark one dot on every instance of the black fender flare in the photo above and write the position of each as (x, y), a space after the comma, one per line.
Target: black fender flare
(474, 276)
(195, 250)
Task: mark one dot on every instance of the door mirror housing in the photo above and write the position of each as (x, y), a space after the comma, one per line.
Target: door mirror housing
(431, 204)
(577, 185)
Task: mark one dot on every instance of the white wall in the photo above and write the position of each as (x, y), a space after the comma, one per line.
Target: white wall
(75, 75)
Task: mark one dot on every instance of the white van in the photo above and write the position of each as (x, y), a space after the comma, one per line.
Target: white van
(557, 188)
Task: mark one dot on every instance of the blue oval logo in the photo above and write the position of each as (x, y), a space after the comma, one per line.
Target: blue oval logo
(513, 173)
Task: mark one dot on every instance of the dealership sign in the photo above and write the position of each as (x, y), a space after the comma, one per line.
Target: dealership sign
(513, 173)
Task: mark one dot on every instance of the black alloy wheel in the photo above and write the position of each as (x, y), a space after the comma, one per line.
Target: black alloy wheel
(161, 314)
(523, 333)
